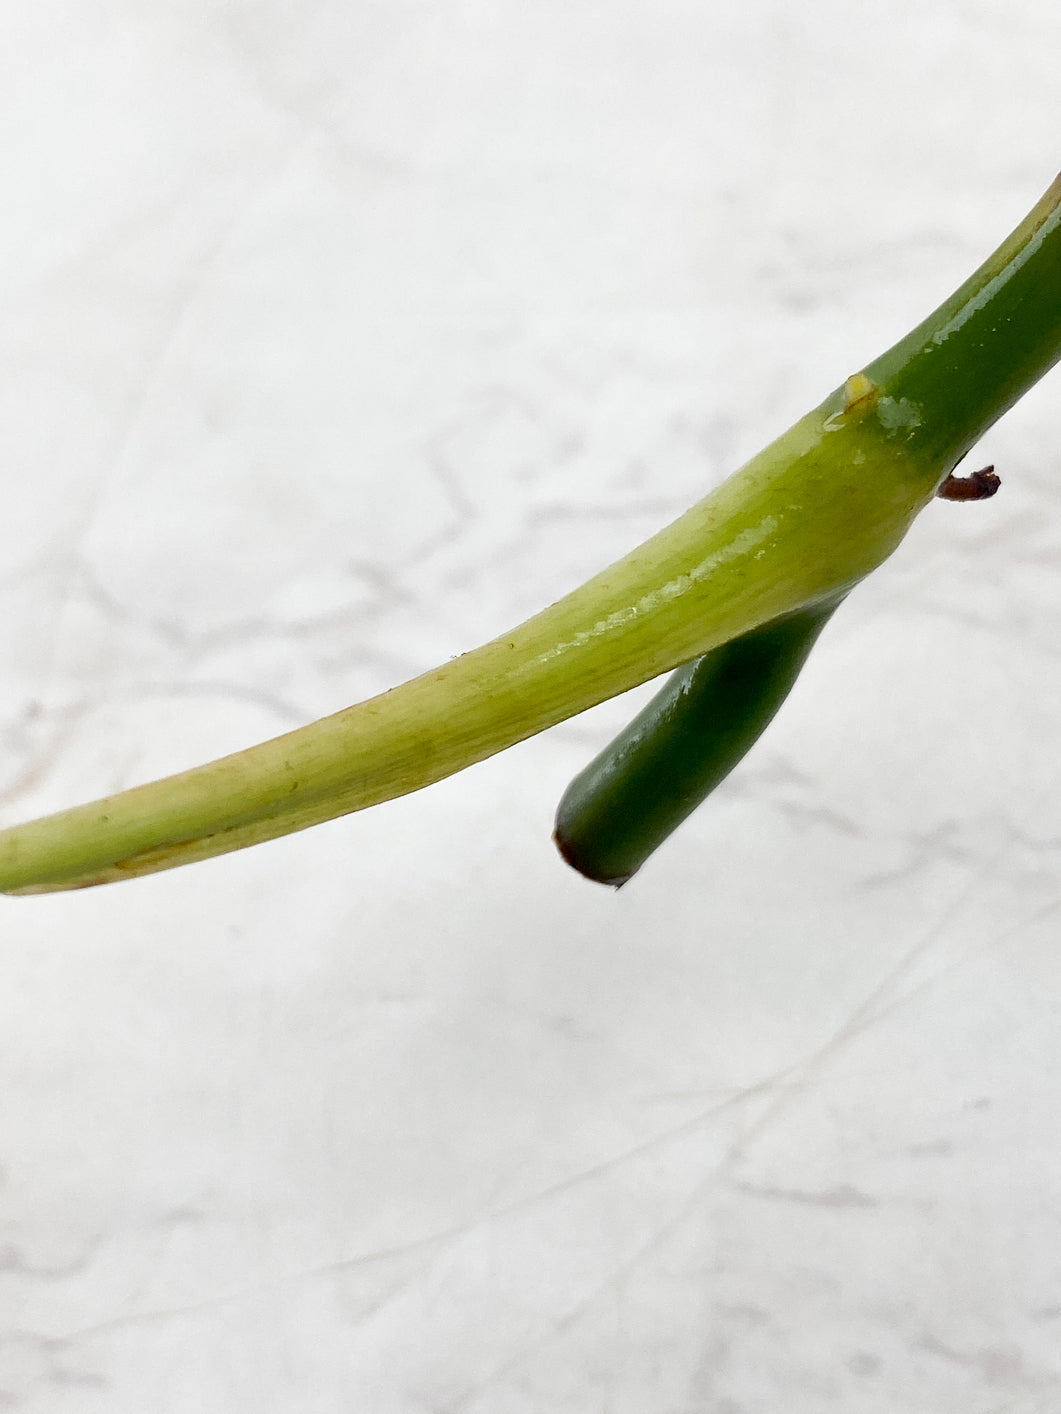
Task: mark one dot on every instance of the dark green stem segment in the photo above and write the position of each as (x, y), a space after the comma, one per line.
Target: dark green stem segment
(965, 365)
(631, 797)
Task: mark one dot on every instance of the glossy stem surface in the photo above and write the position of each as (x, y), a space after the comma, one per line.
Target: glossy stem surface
(971, 360)
(686, 741)
(801, 523)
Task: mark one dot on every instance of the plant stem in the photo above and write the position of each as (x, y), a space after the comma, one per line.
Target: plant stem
(633, 795)
(798, 525)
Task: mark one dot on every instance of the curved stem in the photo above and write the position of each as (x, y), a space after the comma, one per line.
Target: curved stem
(799, 524)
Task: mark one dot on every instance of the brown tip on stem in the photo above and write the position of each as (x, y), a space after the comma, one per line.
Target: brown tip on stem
(977, 486)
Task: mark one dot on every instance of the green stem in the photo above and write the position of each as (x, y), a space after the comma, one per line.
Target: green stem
(653, 775)
(971, 360)
(799, 524)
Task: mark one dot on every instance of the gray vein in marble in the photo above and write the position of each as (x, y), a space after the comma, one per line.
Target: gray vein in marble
(14, 1262)
(840, 1196)
(427, 1246)
(40, 1362)
(997, 1363)
(36, 761)
(808, 1073)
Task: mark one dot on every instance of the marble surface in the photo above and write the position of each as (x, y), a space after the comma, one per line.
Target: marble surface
(336, 338)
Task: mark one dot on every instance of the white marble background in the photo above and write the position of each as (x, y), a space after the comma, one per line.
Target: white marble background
(334, 339)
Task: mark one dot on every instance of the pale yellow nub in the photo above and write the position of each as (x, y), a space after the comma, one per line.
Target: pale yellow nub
(858, 389)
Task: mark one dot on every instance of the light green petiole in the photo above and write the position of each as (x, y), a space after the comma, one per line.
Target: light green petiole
(798, 525)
